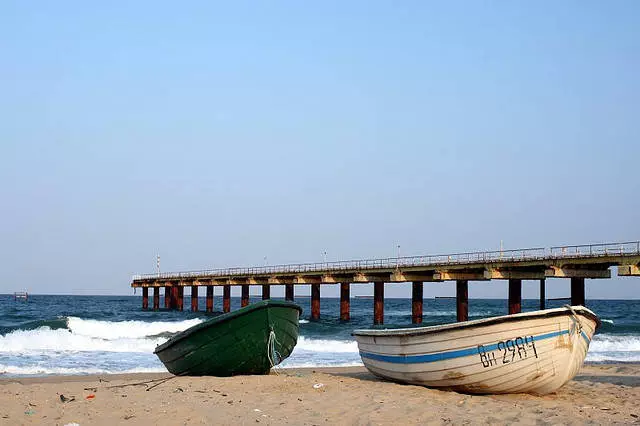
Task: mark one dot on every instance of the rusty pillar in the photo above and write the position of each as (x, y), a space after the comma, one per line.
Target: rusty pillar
(174, 298)
(156, 298)
(315, 301)
(181, 298)
(266, 292)
(416, 302)
(167, 297)
(577, 292)
(145, 298)
(462, 300)
(244, 301)
(288, 292)
(194, 298)
(226, 298)
(378, 302)
(345, 300)
(515, 296)
(542, 294)
(209, 298)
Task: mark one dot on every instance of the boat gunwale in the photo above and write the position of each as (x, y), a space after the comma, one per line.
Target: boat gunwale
(224, 318)
(482, 322)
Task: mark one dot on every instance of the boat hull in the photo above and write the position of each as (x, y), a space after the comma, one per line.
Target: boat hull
(248, 341)
(533, 352)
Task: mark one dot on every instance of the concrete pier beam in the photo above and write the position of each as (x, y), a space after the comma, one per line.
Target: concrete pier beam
(345, 300)
(417, 288)
(462, 300)
(145, 298)
(266, 292)
(288, 292)
(244, 301)
(181, 298)
(577, 291)
(378, 302)
(543, 297)
(156, 298)
(174, 298)
(226, 298)
(194, 298)
(209, 298)
(315, 301)
(515, 296)
(167, 297)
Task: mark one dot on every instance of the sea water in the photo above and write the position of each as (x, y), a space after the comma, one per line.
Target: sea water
(112, 334)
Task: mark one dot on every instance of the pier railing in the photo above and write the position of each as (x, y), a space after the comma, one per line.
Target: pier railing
(631, 248)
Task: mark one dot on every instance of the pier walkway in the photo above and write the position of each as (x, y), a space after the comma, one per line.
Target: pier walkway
(577, 263)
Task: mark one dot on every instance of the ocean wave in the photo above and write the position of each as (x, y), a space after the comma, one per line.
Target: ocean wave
(37, 370)
(126, 329)
(311, 364)
(45, 339)
(92, 336)
(322, 345)
(615, 342)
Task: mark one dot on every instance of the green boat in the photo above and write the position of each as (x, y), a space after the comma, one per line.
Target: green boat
(250, 340)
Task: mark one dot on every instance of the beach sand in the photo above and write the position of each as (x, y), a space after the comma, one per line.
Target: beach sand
(600, 394)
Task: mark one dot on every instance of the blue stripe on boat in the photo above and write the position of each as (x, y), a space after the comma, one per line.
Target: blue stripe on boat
(585, 337)
(441, 356)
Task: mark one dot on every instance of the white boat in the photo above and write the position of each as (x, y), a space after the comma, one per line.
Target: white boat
(532, 352)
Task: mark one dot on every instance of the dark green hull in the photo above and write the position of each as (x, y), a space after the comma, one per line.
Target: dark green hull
(248, 341)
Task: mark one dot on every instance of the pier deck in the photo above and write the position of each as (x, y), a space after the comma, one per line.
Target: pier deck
(574, 262)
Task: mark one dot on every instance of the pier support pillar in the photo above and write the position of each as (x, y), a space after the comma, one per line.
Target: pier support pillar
(378, 302)
(181, 298)
(209, 298)
(174, 298)
(543, 297)
(515, 296)
(417, 289)
(315, 302)
(156, 298)
(266, 292)
(244, 301)
(288, 292)
(145, 298)
(345, 299)
(167, 297)
(577, 291)
(462, 300)
(194, 298)
(226, 299)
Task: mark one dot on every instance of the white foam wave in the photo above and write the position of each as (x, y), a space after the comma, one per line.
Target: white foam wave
(321, 345)
(615, 342)
(126, 329)
(43, 370)
(45, 339)
(607, 320)
(309, 364)
(304, 321)
(93, 336)
(614, 348)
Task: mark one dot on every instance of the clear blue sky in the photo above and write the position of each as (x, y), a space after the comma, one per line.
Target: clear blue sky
(218, 133)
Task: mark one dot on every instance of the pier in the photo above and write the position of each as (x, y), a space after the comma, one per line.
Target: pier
(576, 263)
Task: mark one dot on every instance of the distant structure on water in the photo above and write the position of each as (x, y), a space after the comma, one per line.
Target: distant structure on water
(20, 295)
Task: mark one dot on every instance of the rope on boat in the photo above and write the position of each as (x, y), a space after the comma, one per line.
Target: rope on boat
(272, 354)
(577, 325)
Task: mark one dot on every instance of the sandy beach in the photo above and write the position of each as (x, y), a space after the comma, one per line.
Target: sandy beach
(600, 394)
